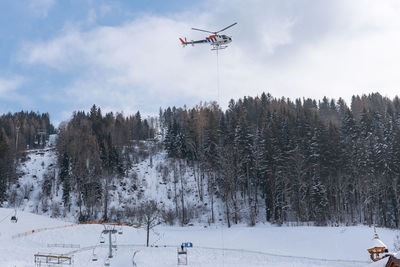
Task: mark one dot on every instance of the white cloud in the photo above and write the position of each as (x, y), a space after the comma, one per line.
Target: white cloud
(287, 48)
(92, 16)
(10, 93)
(40, 7)
(8, 86)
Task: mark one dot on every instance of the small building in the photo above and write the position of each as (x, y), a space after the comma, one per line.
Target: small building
(182, 256)
(378, 249)
(393, 262)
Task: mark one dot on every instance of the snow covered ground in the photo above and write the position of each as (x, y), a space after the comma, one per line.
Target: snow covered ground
(263, 245)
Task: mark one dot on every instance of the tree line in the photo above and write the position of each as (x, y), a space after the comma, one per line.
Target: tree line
(19, 131)
(32, 129)
(302, 160)
(264, 158)
(92, 150)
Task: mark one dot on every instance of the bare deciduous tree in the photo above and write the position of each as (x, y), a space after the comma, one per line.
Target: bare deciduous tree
(149, 214)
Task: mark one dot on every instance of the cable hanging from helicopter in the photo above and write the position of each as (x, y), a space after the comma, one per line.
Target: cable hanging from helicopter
(215, 40)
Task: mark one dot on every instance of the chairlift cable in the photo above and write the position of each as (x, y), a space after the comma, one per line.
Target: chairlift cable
(6, 217)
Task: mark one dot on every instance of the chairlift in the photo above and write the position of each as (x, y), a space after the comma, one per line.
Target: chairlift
(120, 230)
(14, 218)
(107, 262)
(102, 240)
(94, 256)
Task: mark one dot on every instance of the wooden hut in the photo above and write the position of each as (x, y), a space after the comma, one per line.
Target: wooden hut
(393, 262)
(378, 249)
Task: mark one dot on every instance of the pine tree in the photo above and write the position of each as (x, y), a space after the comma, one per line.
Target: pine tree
(65, 179)
(6, 165)
(319, 201)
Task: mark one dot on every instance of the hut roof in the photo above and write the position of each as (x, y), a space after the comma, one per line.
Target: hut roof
(377, 243)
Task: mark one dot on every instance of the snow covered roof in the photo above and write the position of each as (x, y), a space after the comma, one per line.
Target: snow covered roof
(396, 255)
(377, 243)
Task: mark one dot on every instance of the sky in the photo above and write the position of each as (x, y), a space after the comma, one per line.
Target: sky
(59, 56)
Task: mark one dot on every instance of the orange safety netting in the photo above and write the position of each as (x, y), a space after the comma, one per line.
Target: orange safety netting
(73, 225)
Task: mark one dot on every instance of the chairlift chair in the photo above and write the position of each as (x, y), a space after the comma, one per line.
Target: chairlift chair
(120, 230)
(94, 256)
(107, 262)
(14, 218)
(102, 240)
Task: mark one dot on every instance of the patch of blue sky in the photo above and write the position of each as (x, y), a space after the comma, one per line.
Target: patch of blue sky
(30, 21)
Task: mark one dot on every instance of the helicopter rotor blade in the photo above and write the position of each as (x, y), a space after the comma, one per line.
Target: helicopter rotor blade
(226, 27)
(203, 30)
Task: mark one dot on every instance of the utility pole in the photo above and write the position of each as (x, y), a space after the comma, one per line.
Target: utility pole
(109, 245)
(42, 136)
(16, 140)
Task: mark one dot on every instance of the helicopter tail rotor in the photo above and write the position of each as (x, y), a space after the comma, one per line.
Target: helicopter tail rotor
(183, 42)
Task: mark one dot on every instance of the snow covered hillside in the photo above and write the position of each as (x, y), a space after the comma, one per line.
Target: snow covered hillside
(263, 245)
(37, 168)
(177, 188)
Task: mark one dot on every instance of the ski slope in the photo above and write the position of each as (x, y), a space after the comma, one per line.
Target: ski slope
(263, 245)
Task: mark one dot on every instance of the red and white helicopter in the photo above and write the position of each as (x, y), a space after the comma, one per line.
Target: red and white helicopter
(215, 40)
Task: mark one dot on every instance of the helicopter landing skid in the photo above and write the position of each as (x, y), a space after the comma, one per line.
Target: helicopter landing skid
(218, 47)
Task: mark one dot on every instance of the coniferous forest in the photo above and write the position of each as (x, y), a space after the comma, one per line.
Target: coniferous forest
(277, 159)
(302, 160)
(92, 151)
(29, 129)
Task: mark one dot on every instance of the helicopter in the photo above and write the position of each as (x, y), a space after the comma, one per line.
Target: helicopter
(215, 40)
